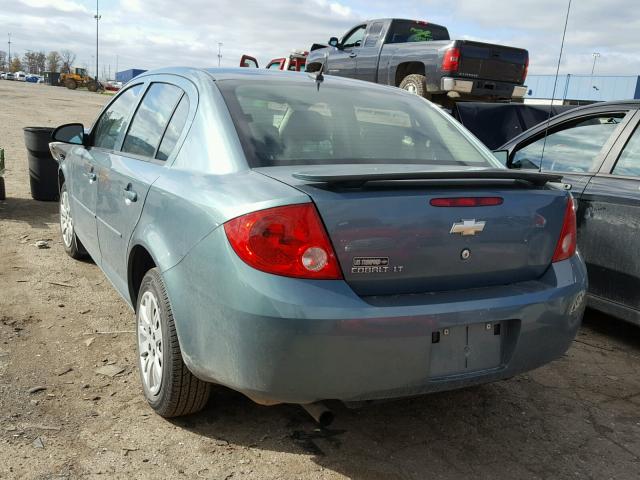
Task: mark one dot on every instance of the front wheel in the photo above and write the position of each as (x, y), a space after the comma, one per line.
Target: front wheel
(415, 83)
(168, 385)
(70, 241)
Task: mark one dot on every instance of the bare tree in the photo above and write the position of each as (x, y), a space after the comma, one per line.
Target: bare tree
(29, 62)
(68, 59)
(3, 60)
(53, 61)
(40, 61)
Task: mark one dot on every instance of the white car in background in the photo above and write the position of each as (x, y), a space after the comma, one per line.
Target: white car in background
(20, 76)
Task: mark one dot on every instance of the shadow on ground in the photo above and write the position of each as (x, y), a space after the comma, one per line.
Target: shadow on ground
(32, 212)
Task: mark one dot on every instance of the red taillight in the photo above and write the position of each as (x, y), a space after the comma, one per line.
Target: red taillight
(566, 246)
(526, 70)
(289, 241)
(451, 60)
(466, 202)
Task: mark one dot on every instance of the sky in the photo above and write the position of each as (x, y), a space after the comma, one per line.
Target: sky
(158, 33)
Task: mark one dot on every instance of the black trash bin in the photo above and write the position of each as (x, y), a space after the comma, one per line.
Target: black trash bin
(43, 169)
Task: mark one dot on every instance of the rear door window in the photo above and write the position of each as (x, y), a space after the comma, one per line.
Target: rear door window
(151, 119)
(114, 121)
(174, 129)
(574, 147)
(407, 31)
(629, 162)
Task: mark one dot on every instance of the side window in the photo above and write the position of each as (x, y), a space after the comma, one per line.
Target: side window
(373, 35)
(113, 122)
(174, 129)
(574, 147)
(354, 38)
(629, 162)
(151, 119)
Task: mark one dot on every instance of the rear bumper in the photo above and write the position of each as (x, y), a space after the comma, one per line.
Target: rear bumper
(482, 88)
(278, 339)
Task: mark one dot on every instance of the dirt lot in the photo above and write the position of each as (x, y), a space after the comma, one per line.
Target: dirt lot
(576, 418)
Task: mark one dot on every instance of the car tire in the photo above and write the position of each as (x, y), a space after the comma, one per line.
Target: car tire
(71, 84)
(415, 83)
(70, 241)
(168, 385)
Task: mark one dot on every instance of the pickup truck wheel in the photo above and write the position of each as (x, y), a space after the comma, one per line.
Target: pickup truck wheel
(70, 241)
(168, 385)
(415, 83)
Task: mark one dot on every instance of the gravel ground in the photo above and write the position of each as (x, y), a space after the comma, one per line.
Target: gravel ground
(576, 418)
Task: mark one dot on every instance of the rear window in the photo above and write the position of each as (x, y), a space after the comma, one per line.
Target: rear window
(295, 123)
(407, 31)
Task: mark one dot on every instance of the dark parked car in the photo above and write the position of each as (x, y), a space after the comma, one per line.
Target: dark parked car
(421, 57)
(597, 150)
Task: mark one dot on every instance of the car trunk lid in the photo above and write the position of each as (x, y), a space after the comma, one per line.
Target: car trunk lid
(390, 239)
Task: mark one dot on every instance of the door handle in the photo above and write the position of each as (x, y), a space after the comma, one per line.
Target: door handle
(129, 195)
(353, 55)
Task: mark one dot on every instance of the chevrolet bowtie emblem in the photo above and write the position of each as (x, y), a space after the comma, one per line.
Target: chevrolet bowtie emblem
(467, 227)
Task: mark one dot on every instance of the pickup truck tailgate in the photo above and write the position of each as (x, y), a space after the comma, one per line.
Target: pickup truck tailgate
(491, 62)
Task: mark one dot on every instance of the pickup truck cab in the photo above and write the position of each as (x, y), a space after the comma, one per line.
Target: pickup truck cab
(295, 62)
(421, 57)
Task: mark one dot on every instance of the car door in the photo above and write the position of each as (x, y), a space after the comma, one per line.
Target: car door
(127, 172)
(574, 147)
(342, 60)
(369, 53)
(610, 231)
(84, 171)
(82, 190)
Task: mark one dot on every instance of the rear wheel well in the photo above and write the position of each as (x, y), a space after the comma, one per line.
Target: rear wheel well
(408, 68)
(140, 262)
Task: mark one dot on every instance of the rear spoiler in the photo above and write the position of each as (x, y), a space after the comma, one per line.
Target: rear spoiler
(359, 179)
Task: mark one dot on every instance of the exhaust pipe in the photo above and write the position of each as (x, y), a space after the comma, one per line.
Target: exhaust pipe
(320, 413)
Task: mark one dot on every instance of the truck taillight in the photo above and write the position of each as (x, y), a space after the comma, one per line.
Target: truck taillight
(566, 246)
(451, 60)
(289, 240)
(526, 70)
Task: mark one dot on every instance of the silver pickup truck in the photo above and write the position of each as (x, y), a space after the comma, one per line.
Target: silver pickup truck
(420, 57)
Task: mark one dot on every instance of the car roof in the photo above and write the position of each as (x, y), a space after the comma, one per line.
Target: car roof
(260, 74)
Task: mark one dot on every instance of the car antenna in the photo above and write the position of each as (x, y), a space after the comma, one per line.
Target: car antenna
(320, 75)
(555, 83)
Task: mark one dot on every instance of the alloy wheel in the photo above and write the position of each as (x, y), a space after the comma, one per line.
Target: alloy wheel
(150, 342)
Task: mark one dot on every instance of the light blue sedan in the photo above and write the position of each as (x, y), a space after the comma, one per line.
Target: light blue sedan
(300, 237)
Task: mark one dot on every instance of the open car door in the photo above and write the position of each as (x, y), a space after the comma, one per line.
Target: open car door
(248, 61)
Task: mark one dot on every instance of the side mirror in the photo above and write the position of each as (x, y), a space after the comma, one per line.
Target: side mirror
(72, 133)
(334, 42)
(502, 156)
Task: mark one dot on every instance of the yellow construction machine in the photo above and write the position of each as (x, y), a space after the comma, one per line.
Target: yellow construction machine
(79, 78)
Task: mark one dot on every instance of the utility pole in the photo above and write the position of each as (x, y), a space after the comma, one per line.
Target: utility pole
(595, 57)
(97, 16)
(219, 52)
(9, 52)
